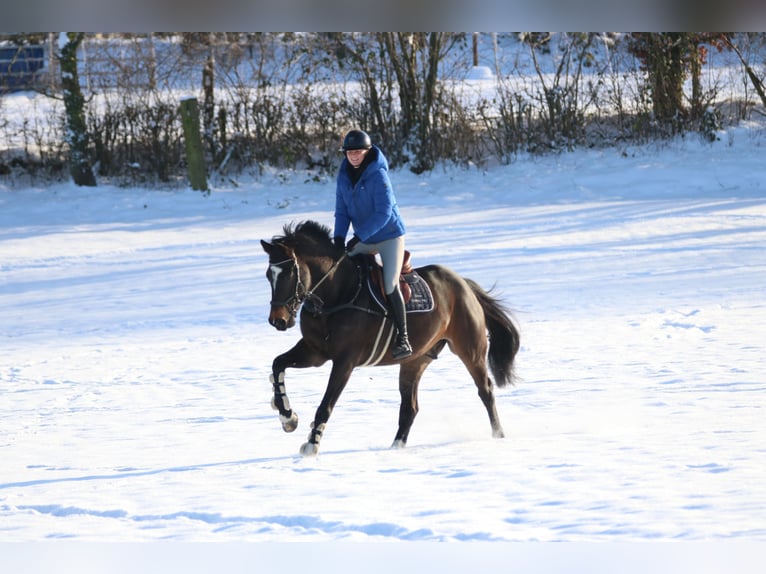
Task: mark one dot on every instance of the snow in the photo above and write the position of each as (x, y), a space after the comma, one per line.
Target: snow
(135, 359)
(480, 73)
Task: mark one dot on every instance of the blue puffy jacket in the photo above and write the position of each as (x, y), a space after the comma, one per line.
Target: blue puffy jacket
(370, 205)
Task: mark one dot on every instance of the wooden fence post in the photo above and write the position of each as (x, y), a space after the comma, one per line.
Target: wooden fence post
(194, 156)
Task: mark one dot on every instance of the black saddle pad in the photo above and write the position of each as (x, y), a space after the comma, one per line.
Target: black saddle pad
(422, 299)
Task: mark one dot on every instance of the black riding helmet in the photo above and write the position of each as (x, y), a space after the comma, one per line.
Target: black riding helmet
(356, 139)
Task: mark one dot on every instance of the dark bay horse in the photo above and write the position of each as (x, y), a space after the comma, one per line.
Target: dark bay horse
(339, 323)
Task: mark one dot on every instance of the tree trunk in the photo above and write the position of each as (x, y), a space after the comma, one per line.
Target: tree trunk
(665, 64)
(152, 63)
(754, 79)
(208, 91)
(74, 106)
(695, 70)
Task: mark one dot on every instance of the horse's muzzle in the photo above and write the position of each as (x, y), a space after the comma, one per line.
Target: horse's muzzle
(281, 320)
(278, 324)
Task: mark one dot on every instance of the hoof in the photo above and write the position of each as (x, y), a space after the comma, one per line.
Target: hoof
(309, 449)
(289, 424)
(398, 444)
(498, 433)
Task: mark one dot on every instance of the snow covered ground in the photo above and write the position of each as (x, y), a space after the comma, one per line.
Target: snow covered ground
(135, 354)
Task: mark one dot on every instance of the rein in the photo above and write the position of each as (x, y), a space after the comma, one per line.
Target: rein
(315, 305)
(326, 275)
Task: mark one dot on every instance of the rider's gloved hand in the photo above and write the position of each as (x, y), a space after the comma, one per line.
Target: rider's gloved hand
(351, 244)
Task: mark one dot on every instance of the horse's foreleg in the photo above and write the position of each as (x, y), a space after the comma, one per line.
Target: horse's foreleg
(339, 376)
(300, 356)
(280, 402)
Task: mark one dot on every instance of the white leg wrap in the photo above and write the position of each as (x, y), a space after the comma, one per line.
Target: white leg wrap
(279, 389)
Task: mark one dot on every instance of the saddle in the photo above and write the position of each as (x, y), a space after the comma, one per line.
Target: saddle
(375, 272)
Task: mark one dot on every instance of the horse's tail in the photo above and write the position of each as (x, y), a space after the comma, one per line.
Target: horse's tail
(504, 337)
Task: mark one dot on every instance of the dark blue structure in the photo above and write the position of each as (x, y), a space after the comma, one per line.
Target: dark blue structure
(20, 67)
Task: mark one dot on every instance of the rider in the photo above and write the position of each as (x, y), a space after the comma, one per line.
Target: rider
(365, 199)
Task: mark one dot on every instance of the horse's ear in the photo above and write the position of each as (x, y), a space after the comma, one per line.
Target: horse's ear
(267, 247)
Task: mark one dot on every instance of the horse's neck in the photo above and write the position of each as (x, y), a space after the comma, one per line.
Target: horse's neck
(332, 282)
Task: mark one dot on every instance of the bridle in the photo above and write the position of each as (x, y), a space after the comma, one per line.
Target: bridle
(293, 304)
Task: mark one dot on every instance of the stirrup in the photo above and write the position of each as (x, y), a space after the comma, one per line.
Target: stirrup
(401, 348)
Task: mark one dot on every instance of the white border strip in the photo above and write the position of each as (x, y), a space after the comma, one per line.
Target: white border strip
(372, 360)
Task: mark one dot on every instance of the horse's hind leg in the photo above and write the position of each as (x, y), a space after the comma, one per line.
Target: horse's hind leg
(488, 398)
(409, 379)
(475, 362)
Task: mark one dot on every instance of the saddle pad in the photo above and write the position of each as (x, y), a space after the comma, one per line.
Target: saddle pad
(421, 301)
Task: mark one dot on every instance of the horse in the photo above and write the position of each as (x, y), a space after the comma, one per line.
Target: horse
(340, 322)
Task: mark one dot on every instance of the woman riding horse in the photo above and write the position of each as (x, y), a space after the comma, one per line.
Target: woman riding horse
(365, 199)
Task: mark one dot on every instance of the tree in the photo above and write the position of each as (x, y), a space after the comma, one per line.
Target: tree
(399, 73)
(667, 58)
(414, 59)
(208, 91)
(562, 111)
(754, 79)
(74, 105)
(662, 57)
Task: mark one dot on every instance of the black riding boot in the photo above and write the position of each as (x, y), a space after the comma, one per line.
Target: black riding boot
(402, 346)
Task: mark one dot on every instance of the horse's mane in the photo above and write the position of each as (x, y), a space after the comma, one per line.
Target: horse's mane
(309, 237)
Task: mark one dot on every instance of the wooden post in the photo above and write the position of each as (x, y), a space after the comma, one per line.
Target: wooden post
(53, 71)
(194, 157)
